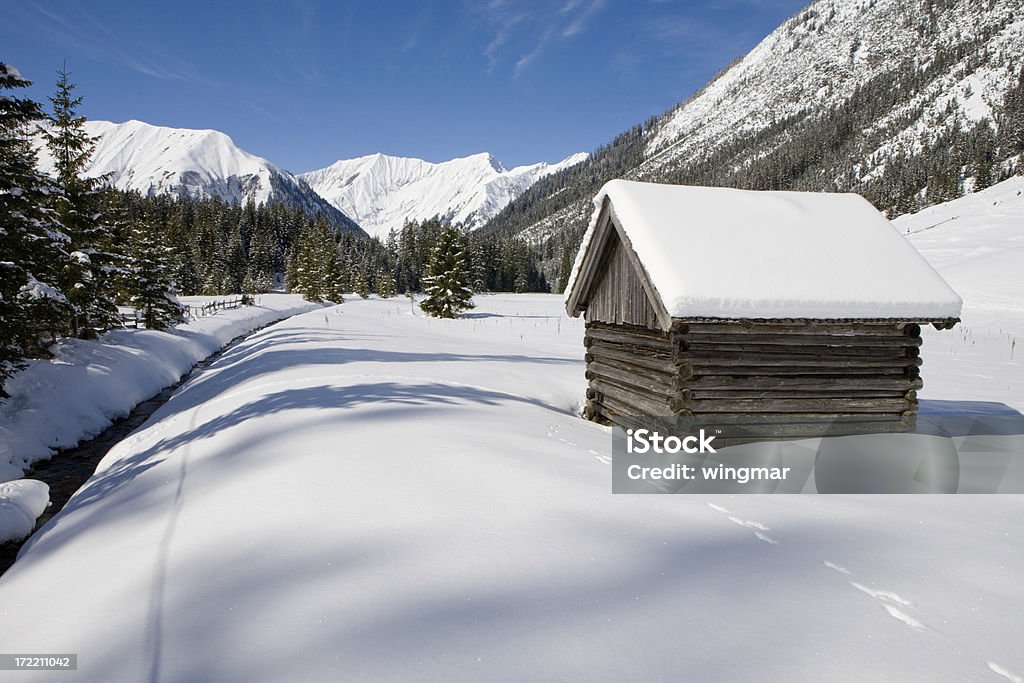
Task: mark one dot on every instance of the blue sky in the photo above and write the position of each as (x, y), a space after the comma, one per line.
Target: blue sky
(304, 83)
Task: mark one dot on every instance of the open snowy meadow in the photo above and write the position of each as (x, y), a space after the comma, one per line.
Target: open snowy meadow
(364, 493)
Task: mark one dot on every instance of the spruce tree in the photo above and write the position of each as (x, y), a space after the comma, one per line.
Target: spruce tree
(259, 276)
(32, 240)
(385, 284)
(148, 277)
(85, 208)
(361, 286)
(447, 287)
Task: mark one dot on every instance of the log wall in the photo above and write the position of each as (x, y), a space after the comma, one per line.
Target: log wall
(756, 380)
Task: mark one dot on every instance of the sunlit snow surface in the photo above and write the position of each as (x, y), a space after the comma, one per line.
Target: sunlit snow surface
(364, 493)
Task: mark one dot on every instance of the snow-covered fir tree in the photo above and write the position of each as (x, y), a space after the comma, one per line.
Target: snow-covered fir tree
(85, 207)
(361, 286)
(148, 283)
(32, 240)
(447, 283)
(259, 276)
(312, 268)
(386, 287)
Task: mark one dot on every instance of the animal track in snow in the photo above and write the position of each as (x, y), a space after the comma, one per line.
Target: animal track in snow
(1001, 671)
(881, 595)
(749, 525)
(757, 526)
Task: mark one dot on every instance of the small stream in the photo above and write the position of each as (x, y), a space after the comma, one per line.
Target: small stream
(69, 468)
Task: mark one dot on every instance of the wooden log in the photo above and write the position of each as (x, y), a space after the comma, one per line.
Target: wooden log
(764, 339)
(708, 419)
(732, 434)
(688, 371)
(644, 404)
(652, 382)
(795, 383)
(660, 363)
(811, 327)
(769, 394)
(823, 356)
(615, 410)
(795, 350)
(822, 364)
(795, 405)
(626, 336)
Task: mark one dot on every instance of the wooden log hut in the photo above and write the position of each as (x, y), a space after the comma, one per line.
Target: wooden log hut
(765, 315)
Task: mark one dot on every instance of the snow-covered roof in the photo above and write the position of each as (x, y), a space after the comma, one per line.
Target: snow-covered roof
(726, 253)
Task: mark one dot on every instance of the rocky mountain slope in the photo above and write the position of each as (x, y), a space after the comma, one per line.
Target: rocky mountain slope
(909, 103)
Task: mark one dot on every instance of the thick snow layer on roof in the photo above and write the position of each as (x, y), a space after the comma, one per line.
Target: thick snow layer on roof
(725, 253)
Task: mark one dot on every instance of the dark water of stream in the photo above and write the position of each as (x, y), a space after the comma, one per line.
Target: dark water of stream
(68, 469)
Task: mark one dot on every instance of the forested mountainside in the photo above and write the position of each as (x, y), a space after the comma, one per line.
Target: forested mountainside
(907, 103)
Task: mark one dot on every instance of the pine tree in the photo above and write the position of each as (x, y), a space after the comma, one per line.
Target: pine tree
(385, 284)
(86, 211)
(148, 277)
(32, 240)
(338, 280)
(361, 286)
(259, 277)
(447, 281)
(236, 261)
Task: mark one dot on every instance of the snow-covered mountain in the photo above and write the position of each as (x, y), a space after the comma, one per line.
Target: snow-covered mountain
(887, 98)
(816, 61)
(199, 163)
(381, 192)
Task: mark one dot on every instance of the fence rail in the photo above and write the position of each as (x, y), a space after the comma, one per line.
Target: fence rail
(136, 319)
(199, 311)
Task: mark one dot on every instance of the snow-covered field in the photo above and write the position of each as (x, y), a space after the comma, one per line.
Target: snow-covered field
(362, 493)
(977, 244)
(57, 403)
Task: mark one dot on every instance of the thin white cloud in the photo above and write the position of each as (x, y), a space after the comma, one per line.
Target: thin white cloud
(579, 21)
(529, 30)
(82, 32)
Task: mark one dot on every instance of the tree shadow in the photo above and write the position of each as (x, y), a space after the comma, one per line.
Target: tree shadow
(245, 367)
(389, 396)
(968, 418)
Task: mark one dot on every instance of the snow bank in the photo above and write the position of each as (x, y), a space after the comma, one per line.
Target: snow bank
(21, 502)
(57, 403)
(720, 252)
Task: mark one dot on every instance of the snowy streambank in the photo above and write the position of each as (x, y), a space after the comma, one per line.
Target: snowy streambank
(21, 503)
(57, 403)
(365, 494)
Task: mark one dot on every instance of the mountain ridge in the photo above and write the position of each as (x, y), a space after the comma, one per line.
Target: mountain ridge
(383, 191)
(149, 159)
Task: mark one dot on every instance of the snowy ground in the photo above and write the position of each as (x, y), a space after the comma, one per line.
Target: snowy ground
(57, 403)
(362, 493)
(977, 244)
